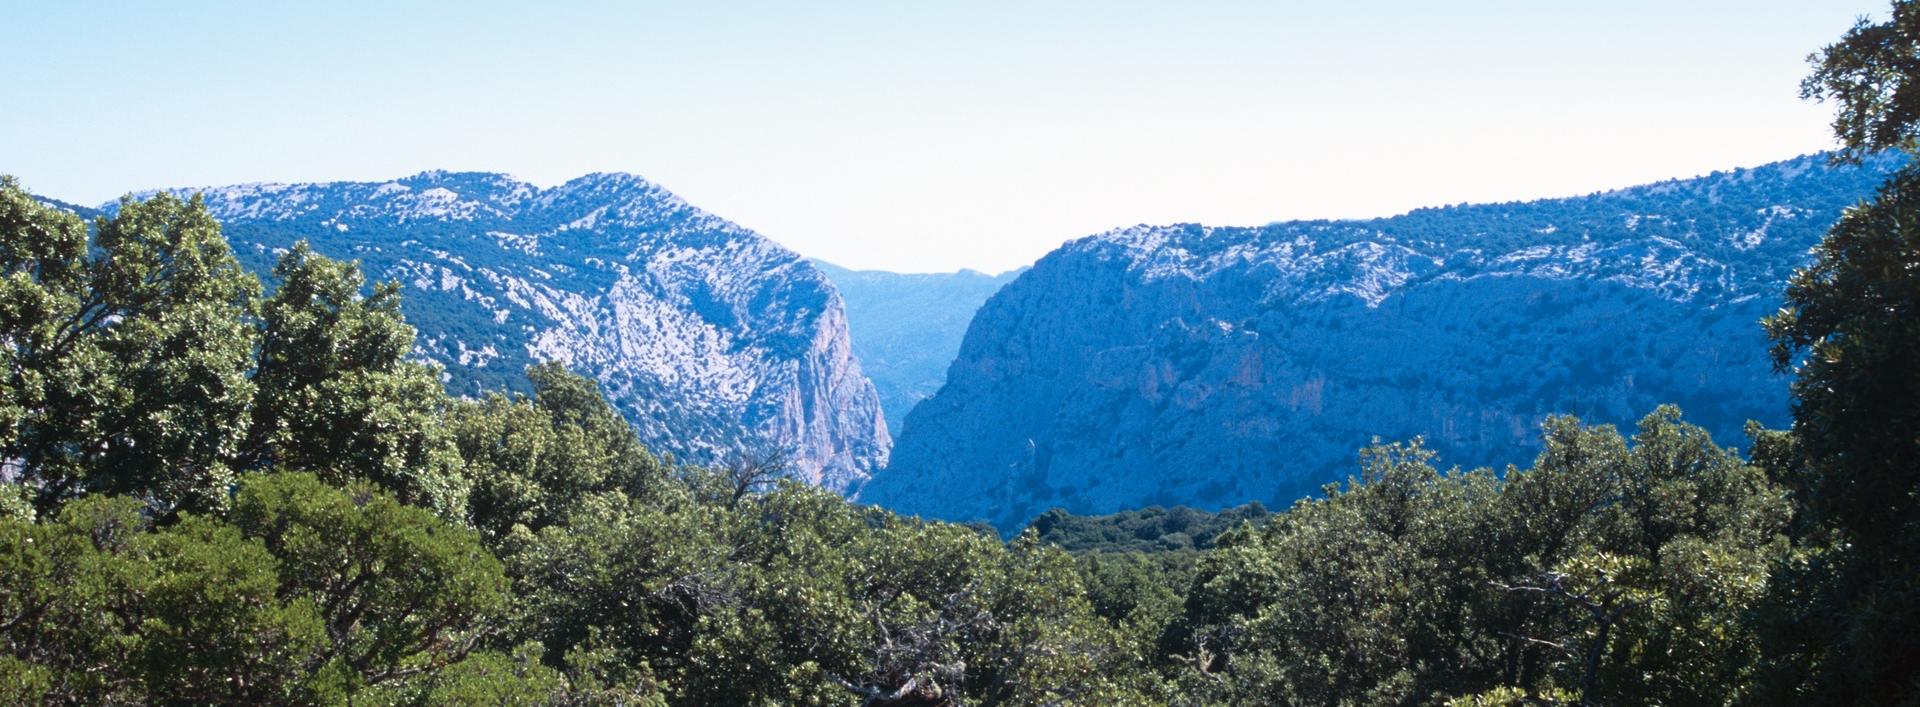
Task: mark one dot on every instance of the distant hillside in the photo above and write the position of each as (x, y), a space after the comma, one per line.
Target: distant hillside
(707, 335)
(85, 212)
(1211, 366)
(907, 328)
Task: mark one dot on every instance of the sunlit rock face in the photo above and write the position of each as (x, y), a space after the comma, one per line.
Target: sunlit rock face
(1211, 366)
(708, 335)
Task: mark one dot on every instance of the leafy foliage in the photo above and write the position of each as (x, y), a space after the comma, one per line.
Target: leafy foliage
(210, 497)
(1871, 73)
(308, 593)
(1618, 572)
(1850, 332)
(337, 394)
(534, 461)
(126, 354)
(1150, 529)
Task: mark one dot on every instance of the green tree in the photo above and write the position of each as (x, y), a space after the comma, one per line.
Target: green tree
(308, 594)
(127, 354)
(1851, 333)
(1671, 548)
(400, 592)
(499, 679)
(102, 609)
(1870, 74)
(1138, 593)
(1341, 601)
(1616, 573)
(337, 393)
(214, 626)
(533, 462)
(794, 596)
(1848, 611)
(631, 580)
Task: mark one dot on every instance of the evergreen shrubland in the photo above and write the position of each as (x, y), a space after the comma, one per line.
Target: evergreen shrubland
(216, 495)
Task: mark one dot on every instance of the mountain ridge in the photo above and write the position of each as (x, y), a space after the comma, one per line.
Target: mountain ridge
(708, 335)
(1216, 365)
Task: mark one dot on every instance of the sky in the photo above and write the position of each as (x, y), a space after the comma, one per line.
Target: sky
(922, 136)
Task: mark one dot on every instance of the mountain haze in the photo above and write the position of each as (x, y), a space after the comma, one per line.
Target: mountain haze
(1211, 366)
(907, 327)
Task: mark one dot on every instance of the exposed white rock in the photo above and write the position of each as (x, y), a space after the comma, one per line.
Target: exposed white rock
(708, 335)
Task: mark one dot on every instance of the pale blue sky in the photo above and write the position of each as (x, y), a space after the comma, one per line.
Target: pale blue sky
(923, 136)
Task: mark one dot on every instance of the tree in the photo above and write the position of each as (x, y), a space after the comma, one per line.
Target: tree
(1871, 75)
(400, 592)
(1850, 332)
(134, 363)
(125, 354)
(1607, 573)
(306, 594)
(213, 623)
(533, 462)
(100, 608)
(337, 394)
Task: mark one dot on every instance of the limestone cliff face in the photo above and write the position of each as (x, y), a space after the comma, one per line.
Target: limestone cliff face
(907, 327)
(1211, 366)
(708, 335)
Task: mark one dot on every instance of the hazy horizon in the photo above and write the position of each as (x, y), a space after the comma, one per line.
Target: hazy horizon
(914, 139)
(1002, 271)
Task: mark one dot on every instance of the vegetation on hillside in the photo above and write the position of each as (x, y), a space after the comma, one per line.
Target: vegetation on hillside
(1150, 529)
(213, 495)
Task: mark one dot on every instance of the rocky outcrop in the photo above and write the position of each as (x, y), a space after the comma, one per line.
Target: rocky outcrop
(1212, 366)
(708, 335)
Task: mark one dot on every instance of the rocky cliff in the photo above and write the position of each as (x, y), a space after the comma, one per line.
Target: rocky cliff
(907, 327)
(708, 335)
(1213, 366)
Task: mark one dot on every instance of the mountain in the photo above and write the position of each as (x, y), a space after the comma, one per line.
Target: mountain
(907, 327)
(86, 213)
(1185, 364)
(708, 335)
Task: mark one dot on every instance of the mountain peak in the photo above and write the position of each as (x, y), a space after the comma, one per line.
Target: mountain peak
(706, 334)
(611, 178)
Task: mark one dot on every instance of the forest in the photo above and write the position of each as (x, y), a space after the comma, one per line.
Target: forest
(220, 493)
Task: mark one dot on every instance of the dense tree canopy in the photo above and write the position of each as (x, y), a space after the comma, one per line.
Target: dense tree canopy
(1614, 571)
(307, 593)
(214, 496)
(535, 461)
(211, 495)
(337, 394)
(1850, 332)
(1150, 529)
(126, 354)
